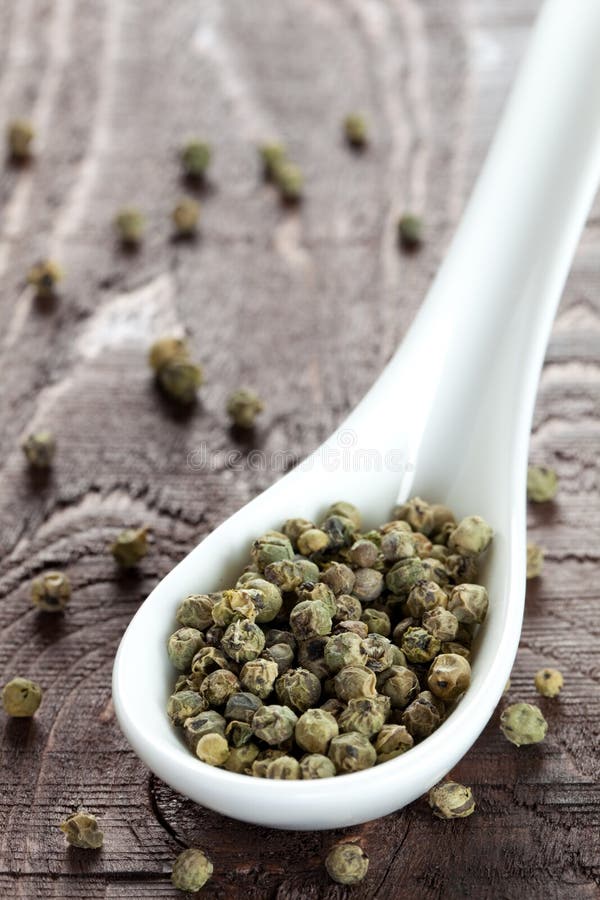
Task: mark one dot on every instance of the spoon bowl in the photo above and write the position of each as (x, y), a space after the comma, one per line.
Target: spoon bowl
(448, 419)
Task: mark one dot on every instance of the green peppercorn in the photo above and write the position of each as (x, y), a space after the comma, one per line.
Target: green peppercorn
(219, 686)
(266, 597)
(289, 179)
(311, 656)
(423, 715)
(462, 569)
(347, 608)
(191, 870)
(449, 676)
(51, 592)
(130, 547)
(166, 349)
(243, 406)
(207, 660)
(352, 626)
(130, 226)
(377, 621)
(363, 554)
(271, 547)
(281, 655)
(39, 449)
(419, 645)
(309, 619)
(21, 697)
(542, 484)
(471, 536)
(351, 752)
(286, 768)
(313, 540)
(340, 578)
(238, 734)
(319, 591)
(272, 156)
(195, 611)
(242, 705)
(355, 681)
(455, 647)
(356, 131)
(81, 830)
(368, 585)
(344, 650)
(207, 722)
(43, 277)
(212, 749)
(346, 510)
(180, 379)
(182, 646)
(261, 763)
(315, 729)
(243, 641)
(195, 159)
(410, 231)
(347, 863)
(450, 800)
(340, 529)
(19, 137)
(535, 560)
(274, 724)
(258, 676)
(286, 574)
(315, 765)
(441, 623)
(233, 606)
(404, 575)
(298, 689)
(397, 545)
(364, 715)
(549, 682)
(391, 741)
(400, 684)
(469, 603)
(185, 217)
(293, 528)
(184, 705)
(523, 724)
(240, 759)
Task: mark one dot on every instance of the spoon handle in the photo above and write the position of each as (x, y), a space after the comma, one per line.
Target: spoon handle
(466, 374)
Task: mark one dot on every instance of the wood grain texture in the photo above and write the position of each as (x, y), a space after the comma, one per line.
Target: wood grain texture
(306, 305)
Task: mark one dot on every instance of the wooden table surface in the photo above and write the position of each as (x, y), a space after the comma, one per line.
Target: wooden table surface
(307, 305)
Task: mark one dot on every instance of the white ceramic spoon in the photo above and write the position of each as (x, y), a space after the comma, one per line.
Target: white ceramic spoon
(448, 419)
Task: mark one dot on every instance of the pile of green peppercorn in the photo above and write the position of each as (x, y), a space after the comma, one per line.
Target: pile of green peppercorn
(337, 649)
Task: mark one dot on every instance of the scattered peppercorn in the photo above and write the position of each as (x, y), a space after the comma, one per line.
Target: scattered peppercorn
(191, 870)
(39, 449)
(410, 231)
(130, 547)
(289, 180)
(272, 155)
(185, 217)
(450, 800)
(347, 863)
(243, 406)
(542, 483)
(43, 277)
(51, 592)
(130, 226)
(177, 376)
(81, 829)
(549, 682)
(535, 560)
(195, 159)
(356, 131)
(523, 724)
(21, 697)
(19, 137)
